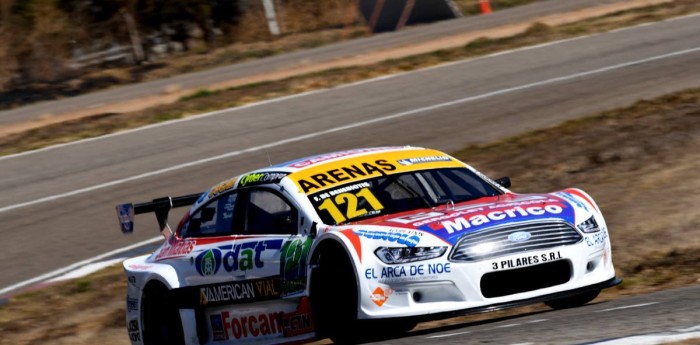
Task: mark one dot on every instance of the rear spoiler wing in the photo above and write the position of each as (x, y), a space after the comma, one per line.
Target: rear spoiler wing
(161, 207)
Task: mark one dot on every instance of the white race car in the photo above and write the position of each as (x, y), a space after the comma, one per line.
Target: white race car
(387, 236)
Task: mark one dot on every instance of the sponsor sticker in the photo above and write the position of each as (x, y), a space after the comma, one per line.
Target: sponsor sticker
(137, 267)
(261, 178)
(222, 187)
(407, 273)
(300, 321)
(132, 304)
(420, 160)
(239, 292)
(134, 333)
(226, 326)
(178, 249)
(526, 260)
(398, 237)
(379, 296)
(217, 327)
(293, 269)
(239, 257)
(597, 239)
(568, 197)
(463, 223)
(257, 324)
(326, 157)
(331, 177)
(424, 218)
(333, 174)
(126, 217)
(417, 218)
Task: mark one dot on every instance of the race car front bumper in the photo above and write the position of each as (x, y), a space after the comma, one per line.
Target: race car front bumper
(439, 286)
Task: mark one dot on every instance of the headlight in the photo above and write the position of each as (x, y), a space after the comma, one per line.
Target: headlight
(589, 226)
(400, 255)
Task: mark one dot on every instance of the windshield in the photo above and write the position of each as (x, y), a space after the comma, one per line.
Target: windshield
(398, 193)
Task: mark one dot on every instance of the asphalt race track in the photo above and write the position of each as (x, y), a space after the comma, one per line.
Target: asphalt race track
(57, 205)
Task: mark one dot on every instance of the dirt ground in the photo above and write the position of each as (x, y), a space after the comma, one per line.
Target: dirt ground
(640, 164)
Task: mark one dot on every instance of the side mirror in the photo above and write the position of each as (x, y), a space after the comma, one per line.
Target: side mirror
(313, 230)
(503, 181)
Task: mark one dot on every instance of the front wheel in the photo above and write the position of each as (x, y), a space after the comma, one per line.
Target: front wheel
(573, 301)
(334, 296)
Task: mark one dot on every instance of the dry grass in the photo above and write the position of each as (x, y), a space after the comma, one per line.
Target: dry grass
(208, 100)
(640, 163)
(82, 311)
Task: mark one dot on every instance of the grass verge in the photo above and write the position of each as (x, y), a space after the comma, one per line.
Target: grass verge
(208, 100)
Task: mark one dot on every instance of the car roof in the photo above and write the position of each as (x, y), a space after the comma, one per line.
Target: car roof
(334, 157)
(302, 168)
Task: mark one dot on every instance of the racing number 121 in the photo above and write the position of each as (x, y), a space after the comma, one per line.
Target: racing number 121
(351, 200)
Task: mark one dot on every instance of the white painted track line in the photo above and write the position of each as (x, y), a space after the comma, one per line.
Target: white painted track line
(446, 335)
(85, 270)
(627, 307)
(692, 333)
(77, 265)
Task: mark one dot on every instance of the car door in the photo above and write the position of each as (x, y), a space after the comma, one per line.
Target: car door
(270, 228)
(211, 227)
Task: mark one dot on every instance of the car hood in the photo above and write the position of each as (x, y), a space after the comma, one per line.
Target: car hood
(450, 223)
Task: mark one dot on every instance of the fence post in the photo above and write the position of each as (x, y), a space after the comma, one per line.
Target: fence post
(271, 17)
(376, 12)
(134, 36)
(405, 14)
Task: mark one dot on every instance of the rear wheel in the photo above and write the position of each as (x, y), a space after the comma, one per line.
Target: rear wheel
(573, 301)
(161, 321)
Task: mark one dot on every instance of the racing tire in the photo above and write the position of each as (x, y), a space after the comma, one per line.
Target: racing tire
(573, 301)
(161, 320)
(333, 293)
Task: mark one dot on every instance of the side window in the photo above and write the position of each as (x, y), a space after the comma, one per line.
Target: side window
(213, 219)
(268, 213)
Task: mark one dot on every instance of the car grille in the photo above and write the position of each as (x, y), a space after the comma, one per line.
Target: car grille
(494, 242)
(508, 282)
